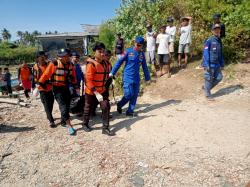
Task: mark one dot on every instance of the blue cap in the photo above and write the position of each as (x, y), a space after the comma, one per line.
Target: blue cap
(63, 52)
(139, 40)
(215, 16)
(75, 53)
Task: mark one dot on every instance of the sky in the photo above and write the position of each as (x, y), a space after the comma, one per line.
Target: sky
(51, 15)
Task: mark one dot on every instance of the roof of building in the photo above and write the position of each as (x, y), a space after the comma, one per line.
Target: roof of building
(92, 30)
(65, 34)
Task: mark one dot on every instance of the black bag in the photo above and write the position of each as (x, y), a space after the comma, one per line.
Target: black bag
(77, 105)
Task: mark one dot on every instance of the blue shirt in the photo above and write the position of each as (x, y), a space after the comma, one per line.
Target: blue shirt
(212, 53)
(133, 60)
(79, 74)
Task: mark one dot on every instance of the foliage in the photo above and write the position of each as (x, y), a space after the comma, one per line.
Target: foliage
(107, 34)
(6, 34)
(132, 16)
(18, 53)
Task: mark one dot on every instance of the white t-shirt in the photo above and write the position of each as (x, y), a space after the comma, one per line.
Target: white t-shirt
(171, 31)
(185, 35)
(150, 41)
(163, 40)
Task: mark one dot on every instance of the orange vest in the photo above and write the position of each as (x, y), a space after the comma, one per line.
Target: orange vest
(25, 73)
(95, 77)
(60, 74)
(37, 73)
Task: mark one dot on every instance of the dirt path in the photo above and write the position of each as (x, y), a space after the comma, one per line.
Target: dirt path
(178, 139)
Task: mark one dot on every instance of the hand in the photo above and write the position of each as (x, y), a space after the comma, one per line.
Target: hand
(78, 91)
(111, 75)
(99, 97)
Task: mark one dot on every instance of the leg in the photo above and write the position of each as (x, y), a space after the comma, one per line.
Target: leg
(62, 96)
(134, 91)
(217, 77)
(208, 76)
(26, 93)
(47, 100)
(186, 59)
(88, 108)
(127, 95)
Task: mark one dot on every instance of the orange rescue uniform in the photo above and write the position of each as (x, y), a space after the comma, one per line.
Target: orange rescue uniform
(38, 70)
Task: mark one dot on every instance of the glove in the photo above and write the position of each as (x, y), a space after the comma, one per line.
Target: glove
(99, 97)
(111, 75)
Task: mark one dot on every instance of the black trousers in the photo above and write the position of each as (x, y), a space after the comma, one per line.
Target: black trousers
(62, 96)
(26, 93)
(9, 89)
(90, 104)
(47, 99)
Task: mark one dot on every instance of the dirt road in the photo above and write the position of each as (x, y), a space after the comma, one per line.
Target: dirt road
(178, 139)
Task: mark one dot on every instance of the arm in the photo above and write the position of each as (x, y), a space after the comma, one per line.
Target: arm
(145, 69)
(119, 63)
(206, 55)
(47, 73)
(89, 77)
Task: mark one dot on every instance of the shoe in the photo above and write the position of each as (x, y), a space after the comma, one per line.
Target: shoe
(71, 131)
(63, 123)
(119, 109)
(203, 87)
(108, 132)
(210, 98)
(52, 125)
(86, 128)
(131, 114)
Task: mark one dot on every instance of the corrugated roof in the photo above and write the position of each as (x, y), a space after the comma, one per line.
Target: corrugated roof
(91, 29)
(69, 34)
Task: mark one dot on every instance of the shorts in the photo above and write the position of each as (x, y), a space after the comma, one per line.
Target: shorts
(184, 48)
(171, 47)
(150, 57)
(163, 59)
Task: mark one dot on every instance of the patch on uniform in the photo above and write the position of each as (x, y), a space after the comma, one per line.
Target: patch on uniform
(214, 45)
(141, 56)
(205, 47)
(131, 54)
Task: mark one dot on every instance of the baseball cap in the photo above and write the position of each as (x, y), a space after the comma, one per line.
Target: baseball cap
(139, 40)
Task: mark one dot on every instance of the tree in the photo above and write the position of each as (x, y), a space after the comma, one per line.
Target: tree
(107, 34)
(6, 34)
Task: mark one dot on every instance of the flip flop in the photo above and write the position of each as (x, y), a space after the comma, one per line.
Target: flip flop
(71, 131)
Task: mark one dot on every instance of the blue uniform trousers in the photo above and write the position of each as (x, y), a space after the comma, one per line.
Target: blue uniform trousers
(212, 77)
(131, 91)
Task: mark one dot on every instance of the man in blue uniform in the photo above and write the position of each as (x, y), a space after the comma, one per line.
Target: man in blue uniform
(134, 58)
(213, 61)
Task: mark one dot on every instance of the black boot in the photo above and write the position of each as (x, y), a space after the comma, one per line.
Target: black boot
(86, 128)
(52, 124)
(119, 109)
(108, 132)
(63, 123)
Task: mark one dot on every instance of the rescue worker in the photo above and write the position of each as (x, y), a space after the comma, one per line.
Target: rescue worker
(134, 58)
(106, 58)
(25, 78)
(216, 18)
(96, 75)
(213, 61)
(46, 94)
(61, 73)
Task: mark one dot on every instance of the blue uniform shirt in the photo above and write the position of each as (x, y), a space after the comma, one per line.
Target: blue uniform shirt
(212, 53)
(133, 60)
(79, 73)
